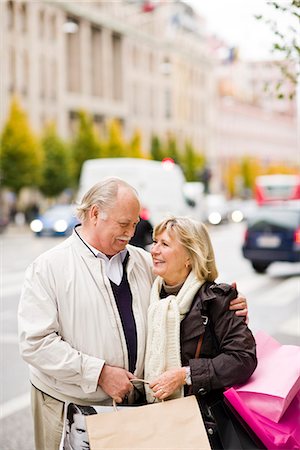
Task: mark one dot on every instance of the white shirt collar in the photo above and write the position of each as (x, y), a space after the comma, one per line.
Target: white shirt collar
(113, 265)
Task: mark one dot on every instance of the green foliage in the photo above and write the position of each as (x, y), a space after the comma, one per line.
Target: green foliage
(156, 151)
(286, 43)
(20, 152)
(135, 146)
(192, 162)
(56, 166)
(172, 149)
(115, 146)
(86, 143)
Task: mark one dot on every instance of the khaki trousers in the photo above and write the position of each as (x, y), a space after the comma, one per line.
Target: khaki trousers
(48, 415)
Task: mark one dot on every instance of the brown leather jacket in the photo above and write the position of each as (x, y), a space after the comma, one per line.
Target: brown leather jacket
(228, 354)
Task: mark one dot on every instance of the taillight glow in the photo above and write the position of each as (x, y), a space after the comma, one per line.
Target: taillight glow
(297, 236)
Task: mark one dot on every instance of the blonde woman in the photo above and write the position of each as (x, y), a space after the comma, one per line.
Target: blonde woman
(189, 311)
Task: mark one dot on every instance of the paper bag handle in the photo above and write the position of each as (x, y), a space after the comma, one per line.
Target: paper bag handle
(140, 380)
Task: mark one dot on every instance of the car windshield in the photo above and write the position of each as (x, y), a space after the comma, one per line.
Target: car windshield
(62, 212)
(281, 218)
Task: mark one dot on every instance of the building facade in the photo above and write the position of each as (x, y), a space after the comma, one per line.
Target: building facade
(150, 70)
(147, 64)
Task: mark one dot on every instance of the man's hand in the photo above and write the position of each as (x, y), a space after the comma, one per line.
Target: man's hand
(115, 382)
(239, 305)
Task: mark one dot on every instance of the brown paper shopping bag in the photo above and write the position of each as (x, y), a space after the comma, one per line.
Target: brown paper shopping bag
(174, 424)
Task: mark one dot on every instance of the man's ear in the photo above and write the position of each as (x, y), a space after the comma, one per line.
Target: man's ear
(94, 213)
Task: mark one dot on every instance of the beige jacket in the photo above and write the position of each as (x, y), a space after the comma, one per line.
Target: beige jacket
(69, 324)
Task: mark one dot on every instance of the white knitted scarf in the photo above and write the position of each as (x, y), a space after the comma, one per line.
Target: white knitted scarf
(163, 339)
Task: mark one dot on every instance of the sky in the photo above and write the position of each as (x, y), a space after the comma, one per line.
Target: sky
(233, 21)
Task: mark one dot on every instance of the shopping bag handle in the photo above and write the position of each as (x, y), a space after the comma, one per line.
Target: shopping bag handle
(133, 380)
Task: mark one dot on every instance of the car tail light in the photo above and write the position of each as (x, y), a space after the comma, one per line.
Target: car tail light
(297, 236)
(246, 235)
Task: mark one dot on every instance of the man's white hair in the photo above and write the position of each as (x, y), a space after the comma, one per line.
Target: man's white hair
(103, 194)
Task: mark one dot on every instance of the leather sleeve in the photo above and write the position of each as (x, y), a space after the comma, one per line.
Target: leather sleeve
(234, 360)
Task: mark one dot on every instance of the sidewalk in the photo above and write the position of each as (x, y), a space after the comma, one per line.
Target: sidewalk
(15, 230)
(16, 431)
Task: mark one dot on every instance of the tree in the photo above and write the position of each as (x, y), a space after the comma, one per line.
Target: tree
(287, 42)
(20, 152)
(172, 149)
(156, 151)
(135, 145)
(56, 167)
(250, 169)
(115, 146)
(86, 144)
(192, 162)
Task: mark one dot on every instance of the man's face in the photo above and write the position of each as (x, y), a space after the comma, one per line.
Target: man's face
(112, 234)
(78, 436)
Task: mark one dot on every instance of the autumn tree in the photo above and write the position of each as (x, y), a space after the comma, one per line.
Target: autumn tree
(86, 143)
(192, 162)
(20, 152)
(135, 145)
(156, 150)
(56, 166)
(115, 145)
(172, 148)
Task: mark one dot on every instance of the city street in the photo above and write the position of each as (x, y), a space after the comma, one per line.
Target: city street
(273, 300)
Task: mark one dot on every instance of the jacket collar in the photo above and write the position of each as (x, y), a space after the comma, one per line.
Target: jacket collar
(87, 253)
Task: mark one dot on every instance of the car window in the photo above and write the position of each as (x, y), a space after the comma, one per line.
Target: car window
(59, 213)
(277, 218)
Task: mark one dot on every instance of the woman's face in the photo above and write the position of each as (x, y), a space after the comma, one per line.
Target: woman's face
(170, 259)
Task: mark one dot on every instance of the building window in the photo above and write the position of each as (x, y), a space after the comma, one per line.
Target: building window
(73, 121)
(97, 68)
(42, 77)
(12, 70)
(53, 80)
(41, 24)
(168, 104)
(99, 123)
(73, 57)
(10, 16)
(53, 27)
(25, 73)
(117, 67)
(23, 18)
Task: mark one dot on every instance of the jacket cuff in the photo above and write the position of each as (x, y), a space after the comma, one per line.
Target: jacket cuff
(200, 376)
(91, 372)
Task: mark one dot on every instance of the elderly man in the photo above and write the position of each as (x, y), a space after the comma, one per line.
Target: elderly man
(82, 313)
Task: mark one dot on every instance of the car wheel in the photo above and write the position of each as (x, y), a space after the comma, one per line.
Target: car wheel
(260, 267)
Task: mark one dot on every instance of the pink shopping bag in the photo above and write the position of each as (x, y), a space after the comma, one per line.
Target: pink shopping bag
(276, 380)
(282, 435)
(269, 402)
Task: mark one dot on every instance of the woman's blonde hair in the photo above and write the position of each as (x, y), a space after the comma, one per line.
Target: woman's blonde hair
(194, 237)
(104, 194)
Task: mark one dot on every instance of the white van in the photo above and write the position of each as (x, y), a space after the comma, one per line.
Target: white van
(160, 184)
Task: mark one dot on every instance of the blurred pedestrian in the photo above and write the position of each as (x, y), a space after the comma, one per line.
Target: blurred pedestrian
(82, 313)
(143, 232)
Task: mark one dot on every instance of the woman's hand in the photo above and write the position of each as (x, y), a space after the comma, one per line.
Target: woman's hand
(168, 382)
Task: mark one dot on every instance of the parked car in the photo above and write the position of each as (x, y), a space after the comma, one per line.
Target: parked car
(56, 221)
(273, 234)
